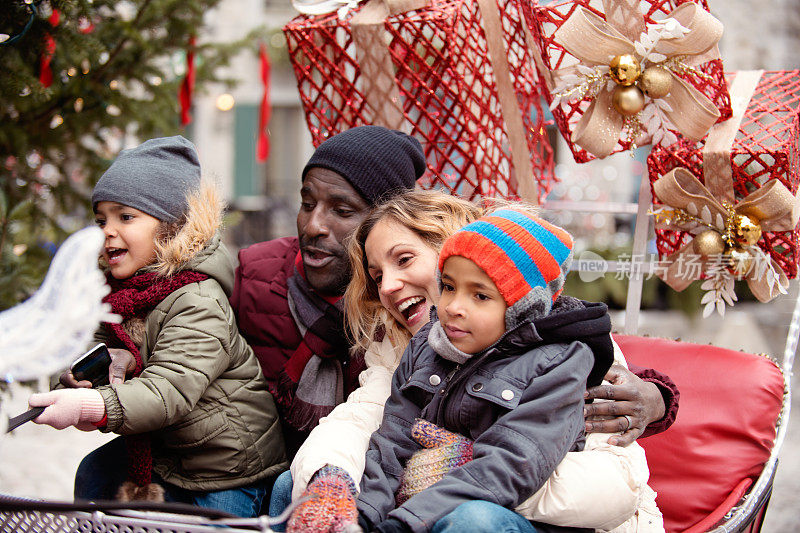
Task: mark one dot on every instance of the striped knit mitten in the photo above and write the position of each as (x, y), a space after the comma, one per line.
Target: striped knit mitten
(442, 451)
(332, 506)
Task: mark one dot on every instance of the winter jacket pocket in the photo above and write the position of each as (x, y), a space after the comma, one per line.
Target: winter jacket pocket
(497, 390)
(422, 384)
(279, 287)
(485, 399)
(205, 446)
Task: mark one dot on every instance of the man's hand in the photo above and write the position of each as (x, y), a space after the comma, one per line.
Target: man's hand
(122, 365)
(635, 404)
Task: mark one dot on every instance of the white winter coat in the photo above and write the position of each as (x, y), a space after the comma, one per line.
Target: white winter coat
(603, 487)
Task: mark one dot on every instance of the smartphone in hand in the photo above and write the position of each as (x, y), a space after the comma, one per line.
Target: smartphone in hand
(93, 366)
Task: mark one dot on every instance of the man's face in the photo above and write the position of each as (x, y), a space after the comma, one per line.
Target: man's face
(330, 209)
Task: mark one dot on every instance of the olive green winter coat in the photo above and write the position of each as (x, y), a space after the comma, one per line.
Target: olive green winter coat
(201, 395)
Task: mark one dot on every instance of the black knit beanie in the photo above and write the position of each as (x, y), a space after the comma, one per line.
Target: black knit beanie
(375, 160)
(156, 178)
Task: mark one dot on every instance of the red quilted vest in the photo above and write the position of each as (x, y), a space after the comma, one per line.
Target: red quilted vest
(260, 302)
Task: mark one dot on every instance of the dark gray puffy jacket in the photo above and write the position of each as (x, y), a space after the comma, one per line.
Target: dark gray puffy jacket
(521, 401)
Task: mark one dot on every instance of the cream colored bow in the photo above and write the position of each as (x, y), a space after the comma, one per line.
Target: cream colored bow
(687, 38)
(690, 206)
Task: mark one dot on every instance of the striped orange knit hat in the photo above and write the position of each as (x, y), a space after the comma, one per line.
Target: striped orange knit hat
(526, 257)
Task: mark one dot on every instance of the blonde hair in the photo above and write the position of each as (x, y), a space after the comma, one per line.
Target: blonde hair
(432, 216)
(490, 205)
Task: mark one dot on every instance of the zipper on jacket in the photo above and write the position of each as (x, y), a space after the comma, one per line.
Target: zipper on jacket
(453, 379)
(471, 363)
(448, 378)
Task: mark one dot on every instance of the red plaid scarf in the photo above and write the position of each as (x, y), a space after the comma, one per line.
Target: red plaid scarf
(307, 392)
(135, 297)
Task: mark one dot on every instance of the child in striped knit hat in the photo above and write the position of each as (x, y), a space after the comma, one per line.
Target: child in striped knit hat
(488, 399)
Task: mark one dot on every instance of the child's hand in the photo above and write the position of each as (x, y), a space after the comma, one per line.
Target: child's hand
(69, 407)
(429, 435)
(442, 450)
(332, 506)
(122, 364)
(69, 381)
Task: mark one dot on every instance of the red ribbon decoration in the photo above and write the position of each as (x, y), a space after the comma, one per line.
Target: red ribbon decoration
(187, 85)
(85, 26)
(45, 72)
(262, 146)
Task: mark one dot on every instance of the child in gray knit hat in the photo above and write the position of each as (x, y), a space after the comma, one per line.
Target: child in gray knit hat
(198, 423)
(156, 177)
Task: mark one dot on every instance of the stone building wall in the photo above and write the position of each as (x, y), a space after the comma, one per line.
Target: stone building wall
(759, 34)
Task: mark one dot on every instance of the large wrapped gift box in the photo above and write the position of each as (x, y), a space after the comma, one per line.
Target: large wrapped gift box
(748, 165)
(621, 73)
(456, 74)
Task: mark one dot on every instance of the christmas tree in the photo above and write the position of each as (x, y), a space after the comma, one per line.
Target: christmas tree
(76, 78)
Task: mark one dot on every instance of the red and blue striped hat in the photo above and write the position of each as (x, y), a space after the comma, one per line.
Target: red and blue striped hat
(526, 257)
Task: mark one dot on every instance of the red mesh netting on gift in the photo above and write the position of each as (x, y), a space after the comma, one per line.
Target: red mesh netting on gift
(443, 86)
(546, 19)
(765, 147)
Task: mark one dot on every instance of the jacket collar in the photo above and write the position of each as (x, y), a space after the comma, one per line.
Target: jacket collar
(569, 320)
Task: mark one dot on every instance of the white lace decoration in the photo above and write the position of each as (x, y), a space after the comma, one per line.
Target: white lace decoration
(44, 334)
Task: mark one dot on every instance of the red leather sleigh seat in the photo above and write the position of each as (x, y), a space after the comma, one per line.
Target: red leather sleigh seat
(724, 432)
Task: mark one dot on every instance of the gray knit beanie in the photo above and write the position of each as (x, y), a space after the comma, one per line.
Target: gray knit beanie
(375, 160)
(156, 178)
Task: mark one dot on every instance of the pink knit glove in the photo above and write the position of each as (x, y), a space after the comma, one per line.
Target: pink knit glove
(69, 407)
(332, 506)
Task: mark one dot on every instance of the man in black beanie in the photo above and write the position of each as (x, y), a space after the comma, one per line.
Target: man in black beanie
(354, 170)
(287, 291)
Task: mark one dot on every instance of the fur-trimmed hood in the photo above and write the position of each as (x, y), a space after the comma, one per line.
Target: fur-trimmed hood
(197, 244)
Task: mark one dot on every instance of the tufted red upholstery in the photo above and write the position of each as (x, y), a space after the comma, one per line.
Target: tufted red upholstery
(724, 431)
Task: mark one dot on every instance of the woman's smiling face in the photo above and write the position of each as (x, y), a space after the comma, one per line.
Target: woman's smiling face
(403, 266)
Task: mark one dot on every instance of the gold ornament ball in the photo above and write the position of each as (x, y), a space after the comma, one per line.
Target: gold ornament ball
(655, 82)
(746, 230)
(708, 243)
(625, 69)
(627, 100)
(740, 261)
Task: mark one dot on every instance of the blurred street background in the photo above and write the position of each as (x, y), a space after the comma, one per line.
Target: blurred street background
(47, 175)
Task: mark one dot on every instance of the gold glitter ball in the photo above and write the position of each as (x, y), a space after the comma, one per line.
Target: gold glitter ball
(627, 100)
(708, 243)
(655, 82)
(746, 230)
(625, 69)
(740, 261)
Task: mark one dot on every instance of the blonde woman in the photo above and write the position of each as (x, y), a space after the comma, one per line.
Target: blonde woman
(393, 255)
